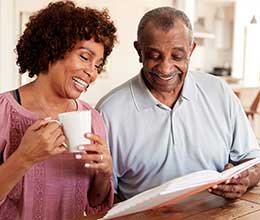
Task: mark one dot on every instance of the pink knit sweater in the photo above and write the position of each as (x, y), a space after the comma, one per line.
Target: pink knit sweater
(55, 189)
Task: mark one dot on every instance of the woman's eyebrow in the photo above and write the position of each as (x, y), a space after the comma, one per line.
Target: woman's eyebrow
(91, 52)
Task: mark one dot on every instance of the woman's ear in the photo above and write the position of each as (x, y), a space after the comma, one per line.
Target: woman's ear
(139, 51)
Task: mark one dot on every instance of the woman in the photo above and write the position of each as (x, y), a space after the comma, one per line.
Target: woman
(65, 47)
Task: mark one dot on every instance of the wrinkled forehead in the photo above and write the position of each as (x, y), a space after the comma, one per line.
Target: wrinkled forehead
(176, 34)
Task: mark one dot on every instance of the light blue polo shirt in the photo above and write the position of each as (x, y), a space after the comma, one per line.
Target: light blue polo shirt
(151, 143)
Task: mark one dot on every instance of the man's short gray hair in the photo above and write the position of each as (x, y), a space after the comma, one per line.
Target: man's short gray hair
(163, 18)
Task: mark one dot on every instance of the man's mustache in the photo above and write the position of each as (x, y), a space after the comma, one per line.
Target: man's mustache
(168, 76)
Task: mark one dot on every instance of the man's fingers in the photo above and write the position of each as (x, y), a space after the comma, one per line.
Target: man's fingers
(227, 195)
(244, 174)
(228, 188)
(228, 166)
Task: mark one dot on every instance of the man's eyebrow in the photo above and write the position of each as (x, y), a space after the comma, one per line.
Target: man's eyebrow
(153, 49)
(179, 49)
(157, 50)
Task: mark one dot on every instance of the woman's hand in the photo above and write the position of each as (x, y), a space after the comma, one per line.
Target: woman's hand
(41, 140)
(96, 155)
(97, 158)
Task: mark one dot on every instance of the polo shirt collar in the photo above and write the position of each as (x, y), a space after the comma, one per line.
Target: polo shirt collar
(144, 99)
(189, 90)
(142, 96)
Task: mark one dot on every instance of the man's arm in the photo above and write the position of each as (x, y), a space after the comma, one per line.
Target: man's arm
(238, 185)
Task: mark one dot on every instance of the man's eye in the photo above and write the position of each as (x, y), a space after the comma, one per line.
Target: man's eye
(83, 57)
(177, 57)
(154, 56)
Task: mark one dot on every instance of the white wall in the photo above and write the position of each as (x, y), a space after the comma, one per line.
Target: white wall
(7, 41)
(123, 62)
(245, 9)
(217, 51)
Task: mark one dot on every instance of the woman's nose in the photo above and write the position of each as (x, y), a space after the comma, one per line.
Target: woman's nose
(90, 69)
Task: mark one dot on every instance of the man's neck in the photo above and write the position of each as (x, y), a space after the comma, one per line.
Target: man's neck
(167, 98)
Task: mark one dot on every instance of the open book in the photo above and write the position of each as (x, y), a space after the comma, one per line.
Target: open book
(175, 189)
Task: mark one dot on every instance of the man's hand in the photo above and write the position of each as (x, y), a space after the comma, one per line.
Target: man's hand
(235, 187)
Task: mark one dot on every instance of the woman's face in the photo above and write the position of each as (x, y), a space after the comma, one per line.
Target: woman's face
(71, 76)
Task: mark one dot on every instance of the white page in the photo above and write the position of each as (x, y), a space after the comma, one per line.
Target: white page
(163, 193)
(174, 188)
(239, 168)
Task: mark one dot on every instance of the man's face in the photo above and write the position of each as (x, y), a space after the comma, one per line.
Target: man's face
(165, 56)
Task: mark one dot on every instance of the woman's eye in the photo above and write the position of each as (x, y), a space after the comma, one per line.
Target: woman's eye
(99, 67)
(83, 57)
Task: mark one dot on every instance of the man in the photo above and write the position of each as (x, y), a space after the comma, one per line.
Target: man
(167, 122)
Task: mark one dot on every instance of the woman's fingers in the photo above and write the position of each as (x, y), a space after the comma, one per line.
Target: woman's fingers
(38, 124)
(52, 127)
(95, 148)
(95, 138)
(97, 158)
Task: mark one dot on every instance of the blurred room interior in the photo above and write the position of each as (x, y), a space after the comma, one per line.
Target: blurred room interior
(227, 34)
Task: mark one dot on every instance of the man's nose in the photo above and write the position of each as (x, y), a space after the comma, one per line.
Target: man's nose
(166, 67)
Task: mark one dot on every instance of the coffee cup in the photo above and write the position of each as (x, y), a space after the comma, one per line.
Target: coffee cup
(75, 125)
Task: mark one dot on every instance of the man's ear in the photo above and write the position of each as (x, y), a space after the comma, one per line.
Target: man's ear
(192, 47)
(139, 51)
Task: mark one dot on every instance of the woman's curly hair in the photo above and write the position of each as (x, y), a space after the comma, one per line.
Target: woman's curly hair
(54, 31)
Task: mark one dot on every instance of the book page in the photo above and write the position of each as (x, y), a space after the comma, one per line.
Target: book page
(227, 174)
(175, 189)
(163, 193)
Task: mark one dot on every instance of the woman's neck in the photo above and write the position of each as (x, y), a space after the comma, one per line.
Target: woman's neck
(39, 97)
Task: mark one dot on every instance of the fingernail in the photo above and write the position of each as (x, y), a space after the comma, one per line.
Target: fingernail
(228, 181)
(47, 118)
(215, 187)
(81, 147)
(210, 190)
(78, 156)
(235, 177)
(87, 165)
(88, 135)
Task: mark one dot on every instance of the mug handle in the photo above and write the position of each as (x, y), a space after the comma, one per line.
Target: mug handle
(54, 120)
(59, 123)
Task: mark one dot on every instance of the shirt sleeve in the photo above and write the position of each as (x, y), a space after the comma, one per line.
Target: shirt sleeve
(244, 143)
(106, 205)
(4, 112)
(2, 147)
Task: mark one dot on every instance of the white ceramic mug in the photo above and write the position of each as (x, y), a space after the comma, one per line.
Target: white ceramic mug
(75, 125)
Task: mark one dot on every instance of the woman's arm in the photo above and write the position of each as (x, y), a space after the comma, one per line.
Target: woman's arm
(40, 141)
(12, 170)
(99, 190)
